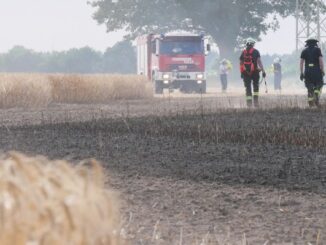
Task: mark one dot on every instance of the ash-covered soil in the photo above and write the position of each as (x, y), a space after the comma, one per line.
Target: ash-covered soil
(188, 175)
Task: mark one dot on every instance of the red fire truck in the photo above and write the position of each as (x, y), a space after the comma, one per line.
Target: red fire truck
(173, 61)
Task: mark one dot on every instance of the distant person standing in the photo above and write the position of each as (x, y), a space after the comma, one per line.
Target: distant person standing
(250, 67)
(224, 71)
(312, 71)
(277, 68)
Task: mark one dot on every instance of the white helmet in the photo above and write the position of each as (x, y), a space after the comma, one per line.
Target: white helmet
(250, 41)
(277, 60)
(224, 61)
(312, 39)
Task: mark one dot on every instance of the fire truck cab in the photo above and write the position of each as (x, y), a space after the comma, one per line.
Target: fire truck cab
(173, 61)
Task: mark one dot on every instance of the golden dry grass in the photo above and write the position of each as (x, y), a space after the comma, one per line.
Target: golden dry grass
(98, 88)
(46, 202)
(24, 90)
(39, 90)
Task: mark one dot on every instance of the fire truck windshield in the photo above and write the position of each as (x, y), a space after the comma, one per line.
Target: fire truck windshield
(181, 47)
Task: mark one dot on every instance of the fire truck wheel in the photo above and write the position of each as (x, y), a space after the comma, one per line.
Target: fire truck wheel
(158, 87)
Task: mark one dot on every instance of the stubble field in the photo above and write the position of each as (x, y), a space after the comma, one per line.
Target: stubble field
(194, 170)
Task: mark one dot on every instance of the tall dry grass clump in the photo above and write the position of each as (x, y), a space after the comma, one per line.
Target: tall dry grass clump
(98, 88)
(24, 90)
(46, 202)
(39, 90)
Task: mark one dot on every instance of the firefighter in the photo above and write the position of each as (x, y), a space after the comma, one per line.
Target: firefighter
(313, 72)
(225, 67)
(250, 67)
(277, 69)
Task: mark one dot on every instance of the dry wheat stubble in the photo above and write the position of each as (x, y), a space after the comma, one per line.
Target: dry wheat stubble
(39, 90)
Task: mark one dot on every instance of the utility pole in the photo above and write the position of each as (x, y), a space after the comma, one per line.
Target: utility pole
(310, 21)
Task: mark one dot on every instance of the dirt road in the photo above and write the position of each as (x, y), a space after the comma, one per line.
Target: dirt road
(195, 169)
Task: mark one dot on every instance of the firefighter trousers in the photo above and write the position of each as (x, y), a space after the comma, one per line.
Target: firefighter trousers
(314, 92)
(251, 84)
(224, 82)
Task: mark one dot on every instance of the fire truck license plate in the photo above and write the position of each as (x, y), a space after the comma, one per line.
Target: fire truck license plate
(183, 67)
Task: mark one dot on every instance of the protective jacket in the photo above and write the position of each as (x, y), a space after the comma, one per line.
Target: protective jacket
(248, 60)
(312, 72)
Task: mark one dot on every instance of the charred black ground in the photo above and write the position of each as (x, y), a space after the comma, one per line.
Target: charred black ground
(202, 174)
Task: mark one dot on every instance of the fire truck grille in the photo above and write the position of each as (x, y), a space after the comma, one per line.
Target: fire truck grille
(183, 76)
(188, 67)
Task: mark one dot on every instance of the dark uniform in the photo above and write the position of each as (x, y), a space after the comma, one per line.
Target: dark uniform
(251, 79)
(312, 73)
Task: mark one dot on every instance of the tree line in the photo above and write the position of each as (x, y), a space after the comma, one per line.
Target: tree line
(121, 58)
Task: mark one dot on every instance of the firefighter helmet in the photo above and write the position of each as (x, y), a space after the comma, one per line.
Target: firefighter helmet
(250, 41)
(277, 60)
(224, 61)
(312, 39)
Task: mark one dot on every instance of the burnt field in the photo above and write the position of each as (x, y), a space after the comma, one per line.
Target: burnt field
(197, 174)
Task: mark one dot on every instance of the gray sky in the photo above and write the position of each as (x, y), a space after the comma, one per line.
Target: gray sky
(45, 25)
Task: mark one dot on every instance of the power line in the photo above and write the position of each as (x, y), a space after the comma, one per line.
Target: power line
(310, 21)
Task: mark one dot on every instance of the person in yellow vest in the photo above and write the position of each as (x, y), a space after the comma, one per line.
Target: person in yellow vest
(225, 67)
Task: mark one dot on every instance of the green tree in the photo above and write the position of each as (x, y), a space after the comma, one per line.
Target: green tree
(121, 58)
(54, 62)
(83, 60)
(20, 59)
(227, 21)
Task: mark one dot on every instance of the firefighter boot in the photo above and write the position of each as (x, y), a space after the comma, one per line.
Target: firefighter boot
(256, 101)
(311, 102)
(316, 97)
(249, 101)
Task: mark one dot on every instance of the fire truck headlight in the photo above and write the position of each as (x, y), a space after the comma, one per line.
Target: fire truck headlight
(166, 76)
(199, 82)
(200, 76)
